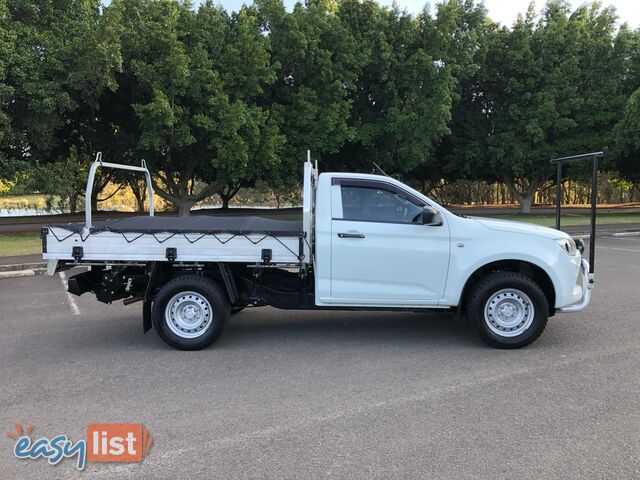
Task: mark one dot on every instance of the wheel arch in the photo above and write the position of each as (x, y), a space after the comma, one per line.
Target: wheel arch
(531, 270)
(219, 272)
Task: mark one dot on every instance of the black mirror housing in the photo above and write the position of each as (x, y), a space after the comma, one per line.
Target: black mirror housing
(431, 217)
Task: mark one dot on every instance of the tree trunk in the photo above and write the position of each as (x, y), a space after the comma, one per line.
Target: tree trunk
(180, 193)
(99, 186)
(525, 202)
(140, 198)
(73, 203)
(139, 193)
(227, 194)
(140, 204)
(184, 206)
(525, 194)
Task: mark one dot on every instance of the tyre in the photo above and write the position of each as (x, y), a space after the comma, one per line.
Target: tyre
(190, 312)
(507, 309)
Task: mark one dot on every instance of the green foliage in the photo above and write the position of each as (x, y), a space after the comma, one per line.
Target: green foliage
(543, 89)
(64, 178)
(59, 57)
(195, 78)
(215, 101)
(401, 100)
(61, 61)
(316, 60)
(627, 136)
(531, 80)
(5, 186)
(7, 43)
(462, 32)
(626, 133)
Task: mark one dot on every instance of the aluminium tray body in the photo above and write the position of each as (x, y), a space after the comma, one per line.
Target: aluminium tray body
(198, 238)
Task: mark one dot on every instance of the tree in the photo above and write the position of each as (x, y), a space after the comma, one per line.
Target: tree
(64, 178)
(316, 62)
(603, 56)
(216, 101)
(95, 61)
(546, 88)
(64, 56)
(461, 32)
(401, 101)
(194, 78)
(531, 86)
(627, 144)
(7, 43)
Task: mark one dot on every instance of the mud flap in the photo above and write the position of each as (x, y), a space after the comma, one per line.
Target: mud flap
(148, 296)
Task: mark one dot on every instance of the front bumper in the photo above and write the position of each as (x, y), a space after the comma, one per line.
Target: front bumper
(587, 281)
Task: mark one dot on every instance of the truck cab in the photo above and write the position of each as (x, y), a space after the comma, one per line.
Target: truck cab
(380, 243)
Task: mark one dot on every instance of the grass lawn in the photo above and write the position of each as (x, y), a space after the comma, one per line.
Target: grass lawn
(19, 244)
(574, 219)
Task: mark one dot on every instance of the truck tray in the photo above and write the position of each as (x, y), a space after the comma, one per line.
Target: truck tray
(198, 238)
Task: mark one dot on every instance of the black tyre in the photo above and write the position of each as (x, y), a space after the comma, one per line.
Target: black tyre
(190, 312)
(507, 309)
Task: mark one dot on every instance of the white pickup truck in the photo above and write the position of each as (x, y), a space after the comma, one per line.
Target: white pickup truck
(365, 242)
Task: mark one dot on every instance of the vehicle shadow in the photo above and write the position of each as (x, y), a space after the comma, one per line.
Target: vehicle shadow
(270, 329)
(375, 329)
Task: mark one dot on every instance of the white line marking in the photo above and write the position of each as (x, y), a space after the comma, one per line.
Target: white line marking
(618, 249)
(626, 234)
(17, 273)
(72, 301)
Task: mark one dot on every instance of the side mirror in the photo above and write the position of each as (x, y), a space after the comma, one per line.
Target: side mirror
(431, 217)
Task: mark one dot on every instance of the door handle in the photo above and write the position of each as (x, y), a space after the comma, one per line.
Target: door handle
(351, 235)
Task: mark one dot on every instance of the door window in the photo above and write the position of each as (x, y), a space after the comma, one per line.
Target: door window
(377, 204)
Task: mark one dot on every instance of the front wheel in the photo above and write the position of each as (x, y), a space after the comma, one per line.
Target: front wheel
(190, 312)
(507, 309)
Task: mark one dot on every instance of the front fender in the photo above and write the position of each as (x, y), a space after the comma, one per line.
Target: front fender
(457, 281)
(472, 253)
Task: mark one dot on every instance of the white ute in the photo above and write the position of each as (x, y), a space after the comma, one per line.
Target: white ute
(364, 242)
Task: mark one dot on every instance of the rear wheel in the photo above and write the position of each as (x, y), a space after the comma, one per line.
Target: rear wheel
(190, 312)
(507, 309)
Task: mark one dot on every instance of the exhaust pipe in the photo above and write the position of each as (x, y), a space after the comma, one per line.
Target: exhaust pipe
(130, 300)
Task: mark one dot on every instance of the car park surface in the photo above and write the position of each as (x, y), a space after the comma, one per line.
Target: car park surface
(331, 394)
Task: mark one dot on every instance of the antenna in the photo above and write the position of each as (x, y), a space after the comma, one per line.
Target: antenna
(380, 169)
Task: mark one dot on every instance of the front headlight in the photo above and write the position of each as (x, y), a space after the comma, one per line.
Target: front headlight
(568, 245)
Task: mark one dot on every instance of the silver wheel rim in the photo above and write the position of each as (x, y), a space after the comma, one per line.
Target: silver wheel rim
(188, 314)
(509, 312)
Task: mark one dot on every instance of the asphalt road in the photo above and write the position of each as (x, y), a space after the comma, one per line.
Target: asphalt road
(331, 395)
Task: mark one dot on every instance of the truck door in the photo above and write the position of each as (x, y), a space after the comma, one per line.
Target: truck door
(380, 252)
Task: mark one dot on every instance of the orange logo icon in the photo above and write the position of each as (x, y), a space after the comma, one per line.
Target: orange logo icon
(117, 442)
